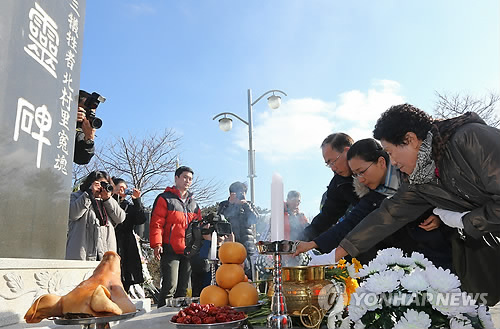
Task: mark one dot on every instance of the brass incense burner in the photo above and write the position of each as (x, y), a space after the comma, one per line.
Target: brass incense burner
(307, 293)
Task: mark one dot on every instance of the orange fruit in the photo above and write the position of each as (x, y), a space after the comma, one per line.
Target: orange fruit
(213, 295)
(232, 253)
(243, 294)
(228, 275)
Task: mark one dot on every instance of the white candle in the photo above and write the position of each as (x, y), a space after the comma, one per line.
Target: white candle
(213, 246)
(277, 209)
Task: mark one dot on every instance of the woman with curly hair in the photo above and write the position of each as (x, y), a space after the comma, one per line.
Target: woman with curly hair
(454, 166)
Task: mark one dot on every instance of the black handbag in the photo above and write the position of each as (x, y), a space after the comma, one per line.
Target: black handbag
(477, 266)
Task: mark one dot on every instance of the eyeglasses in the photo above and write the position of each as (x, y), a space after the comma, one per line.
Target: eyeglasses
(330, 164)
(361, 173)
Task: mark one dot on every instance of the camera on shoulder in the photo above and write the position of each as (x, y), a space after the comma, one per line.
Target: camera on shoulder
(90, 102)
(196, 229)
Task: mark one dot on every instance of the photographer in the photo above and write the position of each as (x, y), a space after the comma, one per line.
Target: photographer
(242, 215)
(93, 213)
(131, 266)
(86, 126)
(198, 245)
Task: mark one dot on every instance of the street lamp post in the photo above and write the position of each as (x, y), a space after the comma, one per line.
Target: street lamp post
(225, 124)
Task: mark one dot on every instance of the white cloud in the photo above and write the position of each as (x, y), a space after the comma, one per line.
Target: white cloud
(140, 8)
(367, 107)
(299, 126)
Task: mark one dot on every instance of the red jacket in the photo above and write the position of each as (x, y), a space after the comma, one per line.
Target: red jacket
(170, 218)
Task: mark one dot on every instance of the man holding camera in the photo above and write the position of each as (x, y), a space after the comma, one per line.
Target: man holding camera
(86, 126)
(173, 210)
(131, 265)
(242, 215)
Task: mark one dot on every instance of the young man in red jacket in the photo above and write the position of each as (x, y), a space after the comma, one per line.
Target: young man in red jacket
(173, 210)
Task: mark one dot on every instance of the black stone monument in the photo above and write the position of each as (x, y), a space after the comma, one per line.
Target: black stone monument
(40, 59)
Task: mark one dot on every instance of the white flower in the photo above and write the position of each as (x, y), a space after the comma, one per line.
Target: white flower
(420, 260)
(372, 267)
(356, 311)
(451, 303)
(345, 324)
(386, 281)
(485, 317)
(415, 281)
(441, 280)
(460, 322)
(413, 319)
(392, 256)
(392, 252)
(359, 325)
(352, 271)
(401, 299)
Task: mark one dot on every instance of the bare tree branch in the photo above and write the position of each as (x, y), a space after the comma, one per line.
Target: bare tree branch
(148, 164)
(448, 106)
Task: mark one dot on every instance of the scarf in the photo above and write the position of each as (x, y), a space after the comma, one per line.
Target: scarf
(425, 168)
(391, 183)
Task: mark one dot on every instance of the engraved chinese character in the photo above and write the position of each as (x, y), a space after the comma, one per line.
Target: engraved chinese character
(63, 141)
(70, 59)
(64, 119)
(43, 34)
(71, 40)
(66, 98)
(73, 24)
(26, 114)
(67, 80)
(61, 164)
(74, 6)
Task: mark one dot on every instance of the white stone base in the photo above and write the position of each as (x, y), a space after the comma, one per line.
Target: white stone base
(23, 280)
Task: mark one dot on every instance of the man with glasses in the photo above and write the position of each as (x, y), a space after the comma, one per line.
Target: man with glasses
(340, 193)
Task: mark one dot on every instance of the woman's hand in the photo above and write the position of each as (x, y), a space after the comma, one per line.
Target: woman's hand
(96, 188)
(304, 246)
(431, 223)
(136, 193)
(340, 253)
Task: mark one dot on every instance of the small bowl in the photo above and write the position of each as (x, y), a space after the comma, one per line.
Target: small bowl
(279, 247)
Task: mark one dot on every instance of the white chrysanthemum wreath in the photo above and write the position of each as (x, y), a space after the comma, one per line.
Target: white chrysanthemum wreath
(410, 292)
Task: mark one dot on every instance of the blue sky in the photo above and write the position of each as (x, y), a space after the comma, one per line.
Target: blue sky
(175, 64)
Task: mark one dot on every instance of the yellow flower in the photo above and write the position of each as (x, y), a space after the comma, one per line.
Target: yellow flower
(341, 263)
(357, 265)
(350, 286)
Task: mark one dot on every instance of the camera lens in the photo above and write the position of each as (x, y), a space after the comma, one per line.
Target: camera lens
(128, 191)
(96, 123)
(108, 187)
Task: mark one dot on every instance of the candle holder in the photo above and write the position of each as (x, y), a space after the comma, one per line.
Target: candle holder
(278, 319)
(213, 267)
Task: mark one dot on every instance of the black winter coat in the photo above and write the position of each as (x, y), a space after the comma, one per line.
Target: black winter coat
(84, 151)
(433, 244)
(131, 266)
(241, 218)
(469, 180)
(340, 196)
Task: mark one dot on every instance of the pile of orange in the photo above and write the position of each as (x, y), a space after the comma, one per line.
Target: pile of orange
(232, 286)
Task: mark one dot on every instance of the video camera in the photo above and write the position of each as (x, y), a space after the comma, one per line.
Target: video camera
(90, 104)
(196, 229)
